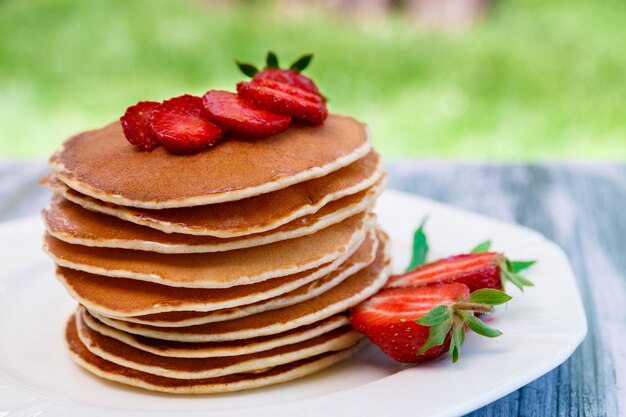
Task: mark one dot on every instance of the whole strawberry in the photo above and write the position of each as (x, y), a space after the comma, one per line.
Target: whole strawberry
(419, 323)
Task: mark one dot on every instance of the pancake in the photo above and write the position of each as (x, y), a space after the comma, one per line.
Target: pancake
(71, 223)
(244, 217)
(216, 270)
(102, 164)
(195, 368)
(350, 292)
(122, 297)
(299, 295)
(229, 383)
(215, 349)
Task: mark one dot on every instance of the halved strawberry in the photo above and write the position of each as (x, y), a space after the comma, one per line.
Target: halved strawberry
(284, 99)
(182, 127)
(136, 125)
(288, 76)
(476, 270)
(419, 323)
(231, 112)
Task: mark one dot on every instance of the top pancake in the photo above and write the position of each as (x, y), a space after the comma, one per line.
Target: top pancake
(102, 164)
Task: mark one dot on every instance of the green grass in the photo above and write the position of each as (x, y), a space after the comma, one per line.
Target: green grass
(536, 80)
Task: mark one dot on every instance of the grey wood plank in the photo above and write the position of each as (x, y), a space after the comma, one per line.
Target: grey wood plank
(581, 207)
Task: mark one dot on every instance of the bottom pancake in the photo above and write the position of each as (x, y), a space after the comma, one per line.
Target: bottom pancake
(235, 382)
(216, 349)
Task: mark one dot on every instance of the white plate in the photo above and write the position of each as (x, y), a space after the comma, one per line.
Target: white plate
(541, 327)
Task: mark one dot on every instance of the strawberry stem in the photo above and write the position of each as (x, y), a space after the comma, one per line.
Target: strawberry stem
(469, 306)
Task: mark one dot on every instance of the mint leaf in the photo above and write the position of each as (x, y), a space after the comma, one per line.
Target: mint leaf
(478, 326)
(489, 296)
(248, 69)
(271, 61)
(436, 335)
(482, 247)
(301, 63)
(420, 247)
(435, 316)
(517, 266)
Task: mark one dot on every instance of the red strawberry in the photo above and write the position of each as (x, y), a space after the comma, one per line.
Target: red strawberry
(231, 112)
(136, 125)
(419, 323)
(287, 76)
(476, 270)
(284, 99)
(181, 126)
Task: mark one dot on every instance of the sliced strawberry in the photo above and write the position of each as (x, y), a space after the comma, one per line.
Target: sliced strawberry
(419, 323)
(285, 99)
(476, 270)
(288, 76)
(136, 125)
(231, 112)
(181, 126)
(387, 319)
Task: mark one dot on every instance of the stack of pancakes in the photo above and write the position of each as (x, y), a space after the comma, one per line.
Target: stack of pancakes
(225, 270)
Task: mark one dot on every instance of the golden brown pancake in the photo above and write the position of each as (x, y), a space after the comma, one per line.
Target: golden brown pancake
(299, 295)
(216, 270)
(102, 164)
(235, 382)
(244, 217)
(350, 292)
(217, 349)
(120, 297)
(125, 355)
(71, 223)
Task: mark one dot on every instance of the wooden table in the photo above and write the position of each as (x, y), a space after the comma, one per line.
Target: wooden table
(582, 207)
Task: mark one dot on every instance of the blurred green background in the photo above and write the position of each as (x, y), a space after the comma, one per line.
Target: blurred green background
(532, 80)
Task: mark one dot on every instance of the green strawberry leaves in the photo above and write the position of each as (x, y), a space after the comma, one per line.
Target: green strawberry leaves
(451, 320)
(301, 63)
(248, 69)
(482, 247)
(271, 61)
(420, 247)
(517, 266)
(508, 272)
(489, 297)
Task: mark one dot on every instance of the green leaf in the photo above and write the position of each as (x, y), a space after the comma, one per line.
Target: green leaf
(456, 340)
(517, 266)
(420, 247)
(489, 296)
(271, 60)
(516, 279)
(482, 247)
(436, 335)
(435, 316)
(248, 69)
(478, 326)
(301, 63)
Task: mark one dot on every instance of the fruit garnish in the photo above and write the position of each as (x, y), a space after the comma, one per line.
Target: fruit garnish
(228, 110)
(136, 125)
(291, 76)
(419, 323)
(478, 269)
(285, 99)
(182, 127)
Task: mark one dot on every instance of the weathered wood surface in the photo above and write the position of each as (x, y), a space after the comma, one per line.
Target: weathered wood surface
(581, 207)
